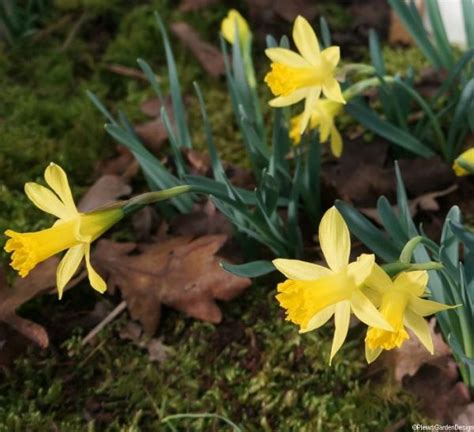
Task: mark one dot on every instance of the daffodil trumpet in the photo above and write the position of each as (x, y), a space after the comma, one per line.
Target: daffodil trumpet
(73, 232)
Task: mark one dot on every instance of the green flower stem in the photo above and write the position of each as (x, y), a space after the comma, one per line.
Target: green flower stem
(361, 86)
(409, 248)
(140, 201)
(393, 269)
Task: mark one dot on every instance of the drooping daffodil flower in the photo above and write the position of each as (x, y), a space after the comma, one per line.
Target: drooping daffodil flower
(323, 118)
(305, 74)
(73, 231)
(312, 294)
(401, 304)
(464, 163)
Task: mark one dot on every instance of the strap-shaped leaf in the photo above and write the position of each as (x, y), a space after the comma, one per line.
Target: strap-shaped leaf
(251, 269)
(397, 136)
(375, 239)
(182, 131)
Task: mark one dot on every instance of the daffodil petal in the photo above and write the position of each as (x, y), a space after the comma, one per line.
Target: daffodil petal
(286, 57)
(336, 142)
(305, 40)
(58, 182)
(413, 282)
(420, 327)
(334, 239)
(324, 129)
(300, 270)
(378, 280)
(95, 280)
(372, 354)
(68, 266)
(45, 200)
(294, 97)
(367, 312)
(319, 319)
(331, 55)
(361, 269)
(342, 316)
(424, 307)
(311, 99)
(332, 90)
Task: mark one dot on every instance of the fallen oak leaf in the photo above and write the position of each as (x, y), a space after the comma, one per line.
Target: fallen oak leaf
(153, 134)
(208, 56)
(42, 279)
(426, 202)
(180, 272)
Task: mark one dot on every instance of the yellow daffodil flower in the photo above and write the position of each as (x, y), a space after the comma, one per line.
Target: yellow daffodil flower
(467, 159)
(73, 231)
(312, 294)
(304, 75)
(322, 117)
(401, 305)
(229, 24)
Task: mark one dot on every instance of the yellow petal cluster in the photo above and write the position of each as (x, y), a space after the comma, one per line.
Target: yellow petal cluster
(303, 75)
(73, 231)
(322, 118)
(312, 294)
(401, 304)
(467, 159)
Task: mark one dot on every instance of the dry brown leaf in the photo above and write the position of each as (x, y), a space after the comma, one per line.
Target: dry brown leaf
(464, 415)
(42, 279)
(106, 190)
(157, 350)
(124, 164)
(434, 379)
(408, 359)
(179, 272)
(203, 220)
(397, 33)
(194, 5)
(144, 222)
(152, 107)
(153, 134)
(208, 55)
(426, 202)
(289, 10)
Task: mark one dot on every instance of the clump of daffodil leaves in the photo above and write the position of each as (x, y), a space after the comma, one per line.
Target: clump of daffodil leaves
(311, 294)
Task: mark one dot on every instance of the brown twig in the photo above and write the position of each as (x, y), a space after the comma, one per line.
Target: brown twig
(108, 319)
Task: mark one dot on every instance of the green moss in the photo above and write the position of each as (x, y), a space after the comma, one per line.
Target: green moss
(399, 59)
(254, 369)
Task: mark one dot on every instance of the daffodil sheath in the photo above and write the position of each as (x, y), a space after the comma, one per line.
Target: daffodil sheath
(73, 232)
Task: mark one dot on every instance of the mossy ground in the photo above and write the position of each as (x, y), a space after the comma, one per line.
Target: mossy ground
(254, 368)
